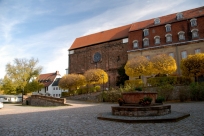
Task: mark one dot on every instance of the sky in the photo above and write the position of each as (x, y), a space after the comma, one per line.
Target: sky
(45, 29)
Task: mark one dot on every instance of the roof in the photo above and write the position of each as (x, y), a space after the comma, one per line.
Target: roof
(188, 14)
(56, 82)
(104, 36)
(48, 78)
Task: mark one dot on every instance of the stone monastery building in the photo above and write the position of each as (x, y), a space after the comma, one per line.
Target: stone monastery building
(178, 35)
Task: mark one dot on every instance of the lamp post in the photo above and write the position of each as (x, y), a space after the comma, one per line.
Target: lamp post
(103, 87)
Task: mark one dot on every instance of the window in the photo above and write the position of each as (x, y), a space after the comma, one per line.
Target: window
(168, 27)
(135, 44)
(146, 32)
(181, 35)
(148, 57)
(53, 95)
(146, 42)
(59, 95)
(53, 88)
(183, 54)
(56, 95)
(157, 39)
(171, 54)
(56, 88)
(156, 21)
(194, 33)
(168, 38)
(179, 16)
(193, 22)
(197, 51)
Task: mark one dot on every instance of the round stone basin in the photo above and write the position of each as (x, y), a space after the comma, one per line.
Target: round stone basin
(134, 97)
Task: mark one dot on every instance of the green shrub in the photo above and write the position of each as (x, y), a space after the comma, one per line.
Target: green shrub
(165, 91)
(197, 91)
(134, 83)
(184, 94)
(97, 88)
(111, 96)
(145, 101)
(159, 99)
(138, 88)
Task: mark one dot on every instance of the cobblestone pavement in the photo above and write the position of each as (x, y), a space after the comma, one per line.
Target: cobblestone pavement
(81, 120)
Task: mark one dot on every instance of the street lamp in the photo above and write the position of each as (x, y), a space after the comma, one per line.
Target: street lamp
(103, 87)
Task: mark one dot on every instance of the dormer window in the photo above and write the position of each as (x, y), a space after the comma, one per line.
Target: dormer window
(157, 39)
(179, 16)
(168, 27)
(156, 21)
(168, 38)
(146, 42)
(193, 22)
(181, 35)
(194, 33)
(146, 32)
(135, 44)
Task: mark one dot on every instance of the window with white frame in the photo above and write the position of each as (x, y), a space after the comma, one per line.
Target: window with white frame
(193, 22)
(53, 88)
(146, 42)
(146, 32)
(183, 54)
(135, 44)
(157, 39)
(168, 27)
(148, 57)
(179, 16)
(197, 51)
(53, 95)
(56, 88)
(156, 21)
(168, 38)
(181, 35)
(171, 54)
(194, 33)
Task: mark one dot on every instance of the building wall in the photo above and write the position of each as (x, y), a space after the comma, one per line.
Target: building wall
(114, 55)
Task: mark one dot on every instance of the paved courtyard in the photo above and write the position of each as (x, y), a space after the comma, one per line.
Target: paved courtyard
(80, 119)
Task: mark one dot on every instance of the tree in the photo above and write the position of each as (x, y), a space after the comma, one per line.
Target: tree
(122, 76)
(20, 74)
(193, 65)
(72, 81)
(163, 64)
(96, 76)
(138, 66)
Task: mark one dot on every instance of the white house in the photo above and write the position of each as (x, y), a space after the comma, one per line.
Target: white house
(50, 82)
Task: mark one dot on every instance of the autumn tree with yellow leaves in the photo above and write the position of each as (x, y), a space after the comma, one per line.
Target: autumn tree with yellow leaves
(72, 81)
(138, 66)
(193, 65)
(163, 64)
(96, 76)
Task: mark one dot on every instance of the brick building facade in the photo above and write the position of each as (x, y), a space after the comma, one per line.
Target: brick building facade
(179, 34)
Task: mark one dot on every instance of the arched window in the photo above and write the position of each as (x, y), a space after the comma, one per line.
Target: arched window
(193, 22)
(168, 27)
(146, 32)
(135, 44)
(146, 42)
(181, 35)
(157, 39)
(194, 33)
(168, 38)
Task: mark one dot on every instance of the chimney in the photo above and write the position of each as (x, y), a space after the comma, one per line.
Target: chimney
(57, 72)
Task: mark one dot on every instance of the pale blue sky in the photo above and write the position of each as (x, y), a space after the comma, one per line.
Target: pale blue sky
(45, 29)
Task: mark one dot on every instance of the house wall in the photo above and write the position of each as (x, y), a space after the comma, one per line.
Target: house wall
(114, 55)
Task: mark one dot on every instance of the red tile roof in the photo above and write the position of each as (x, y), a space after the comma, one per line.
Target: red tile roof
(104, 36)
(122, 32)
(188, 14)
(48, 78)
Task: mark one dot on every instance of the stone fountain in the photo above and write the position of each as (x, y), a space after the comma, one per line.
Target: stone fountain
(131, 106)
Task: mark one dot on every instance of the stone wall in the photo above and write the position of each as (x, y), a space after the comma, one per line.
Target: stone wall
(39, 100)
(92, 97)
